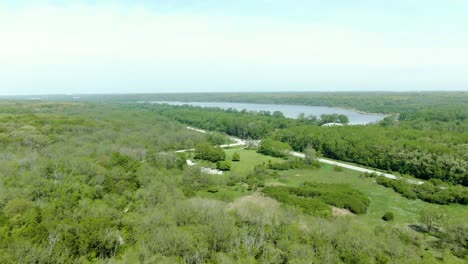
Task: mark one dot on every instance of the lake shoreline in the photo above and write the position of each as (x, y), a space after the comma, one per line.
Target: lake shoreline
(292, 111)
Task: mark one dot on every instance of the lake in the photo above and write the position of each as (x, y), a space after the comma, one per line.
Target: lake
(291, 111)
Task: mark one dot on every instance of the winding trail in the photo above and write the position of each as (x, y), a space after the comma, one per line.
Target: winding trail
(240, 142)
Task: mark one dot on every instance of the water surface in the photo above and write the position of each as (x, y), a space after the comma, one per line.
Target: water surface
(291, 111)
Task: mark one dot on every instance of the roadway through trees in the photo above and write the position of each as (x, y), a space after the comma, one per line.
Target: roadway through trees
(241, 142)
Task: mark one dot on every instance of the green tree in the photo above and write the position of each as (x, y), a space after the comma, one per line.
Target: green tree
(343, 119)
(207, 152)
(310, 155)
(431, 219)
(181, 160)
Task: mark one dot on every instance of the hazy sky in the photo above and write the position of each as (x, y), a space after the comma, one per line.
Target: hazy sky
(244, 45)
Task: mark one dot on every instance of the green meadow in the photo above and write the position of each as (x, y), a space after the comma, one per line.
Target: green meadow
(382, 199)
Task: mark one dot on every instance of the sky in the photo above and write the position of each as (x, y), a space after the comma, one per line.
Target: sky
(63, 47)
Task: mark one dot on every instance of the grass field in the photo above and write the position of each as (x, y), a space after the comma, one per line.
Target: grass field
(382, 199)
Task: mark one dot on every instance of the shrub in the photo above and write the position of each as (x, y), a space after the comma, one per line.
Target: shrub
(212, 189)
(236, 156)
(311, 196)
(223, 165)
(388, 216)
(339, 195)
(274, 148)
(338, 169)
(427, 191)
(294, 163)
(310, 205)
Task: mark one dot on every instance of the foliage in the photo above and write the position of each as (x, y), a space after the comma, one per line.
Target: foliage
(243, 124)
(339, 195)
(431, 219)
(451, 117)
(101, 183)
(223, 165)
(333, 118)
(274, 148)
(428, 192)
(388, 216)
(235, 156)
(310, 205)
(70, 171)
(293, 163)
(423, 154)
(381, 102)
(338, 168)
(310, 155)
(207, 152)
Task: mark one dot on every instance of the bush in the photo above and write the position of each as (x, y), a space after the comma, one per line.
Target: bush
(339, 195)
(388, 216)
(274, 148)
(294, 163)
(338, 169)
(310, 206)
(223, 165)
(236, 156)
(310, 195)
(213, 189)
(280, 166)
(427, 191)
(207, 152)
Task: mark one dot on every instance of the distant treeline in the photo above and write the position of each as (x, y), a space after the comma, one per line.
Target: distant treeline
(452, 118)
(378, 102)
(446, 111)
(243, 124)
(240, 123)
(423, 154)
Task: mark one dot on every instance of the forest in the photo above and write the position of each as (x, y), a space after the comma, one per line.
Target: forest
(402, 148)
(420, 153)
(373, 102)
(100, 182)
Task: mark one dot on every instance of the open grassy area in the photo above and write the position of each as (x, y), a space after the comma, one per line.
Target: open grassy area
(249, 158)
(382, 199)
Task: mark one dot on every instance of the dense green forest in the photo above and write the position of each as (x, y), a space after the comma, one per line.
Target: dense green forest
(423, 154)
(451, 117)
(239, 123)
(446, 111)
(425, 110)
(243, 124)
(101, 183)
(376, 102)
